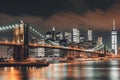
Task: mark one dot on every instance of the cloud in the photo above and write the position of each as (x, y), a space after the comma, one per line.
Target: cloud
(46, 8)
(97, 19)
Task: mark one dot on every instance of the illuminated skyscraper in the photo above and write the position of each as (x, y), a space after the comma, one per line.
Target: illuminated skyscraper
(48, 35)
(59, 36)
(82, 38)
(76, 35)
(53, 34)
(68, 36)
(89, 34)
(114, 38)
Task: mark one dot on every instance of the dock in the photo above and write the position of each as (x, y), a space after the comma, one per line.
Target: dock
(23, 64)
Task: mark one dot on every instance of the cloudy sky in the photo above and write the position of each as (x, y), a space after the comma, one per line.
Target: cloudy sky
(63, 14)
(97, 14)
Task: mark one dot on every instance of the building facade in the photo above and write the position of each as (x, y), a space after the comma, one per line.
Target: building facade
(99, 41)
(76, 35)
(89, 34)
(114, 39)
(59, 36)
(68, 37)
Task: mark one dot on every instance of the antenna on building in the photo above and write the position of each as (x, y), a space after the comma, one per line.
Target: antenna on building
(113, 24)
(53, 28)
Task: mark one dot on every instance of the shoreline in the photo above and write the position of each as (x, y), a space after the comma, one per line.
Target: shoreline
(22, 64)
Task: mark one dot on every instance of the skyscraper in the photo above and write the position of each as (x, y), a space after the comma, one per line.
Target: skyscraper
(114, 38)
(48, 35)
(76, 35)
(89, 34)
(82, 38)
(53, 34)
(68, 36)
(59, 36)
(99, 41)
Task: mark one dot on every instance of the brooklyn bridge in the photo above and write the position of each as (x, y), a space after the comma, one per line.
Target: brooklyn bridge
(21, 44)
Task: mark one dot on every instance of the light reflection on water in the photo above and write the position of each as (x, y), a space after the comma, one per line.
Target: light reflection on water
(87, 70)
(114, 71)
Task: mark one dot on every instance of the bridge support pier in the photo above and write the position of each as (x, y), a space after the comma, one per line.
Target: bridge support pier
(20, 53)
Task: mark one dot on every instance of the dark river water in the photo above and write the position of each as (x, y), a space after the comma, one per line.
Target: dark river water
(83, 70)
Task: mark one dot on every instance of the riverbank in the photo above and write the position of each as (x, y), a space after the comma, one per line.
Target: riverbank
(24, 64)
(65, 60)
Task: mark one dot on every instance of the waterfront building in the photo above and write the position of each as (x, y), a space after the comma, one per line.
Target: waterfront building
(34, 51)
(41, 51)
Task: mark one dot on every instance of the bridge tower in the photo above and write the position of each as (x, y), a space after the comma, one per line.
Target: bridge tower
(21, 53)
(104, 52)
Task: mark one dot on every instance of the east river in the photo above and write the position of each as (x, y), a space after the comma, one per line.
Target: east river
(80, 70)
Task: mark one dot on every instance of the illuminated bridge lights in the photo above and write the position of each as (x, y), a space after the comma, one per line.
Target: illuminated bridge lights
(30, 27)
(17, 25)
(49, 46)
(13, 26)
(8, 27)
(3, 28)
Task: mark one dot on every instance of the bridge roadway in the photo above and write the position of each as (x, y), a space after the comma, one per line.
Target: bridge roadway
(10, 43)
(48, 46)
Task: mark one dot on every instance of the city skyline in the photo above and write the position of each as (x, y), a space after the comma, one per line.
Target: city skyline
(106, 35)
(96, 34)
(60, 39)
(64, 15)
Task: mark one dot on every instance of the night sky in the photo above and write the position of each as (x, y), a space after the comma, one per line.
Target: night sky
(63, 14)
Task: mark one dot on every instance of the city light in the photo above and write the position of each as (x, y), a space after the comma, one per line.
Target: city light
(114, 38)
